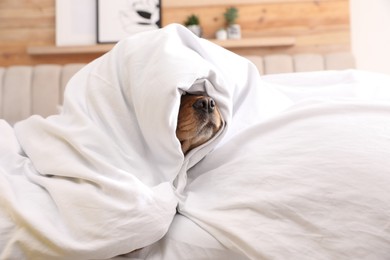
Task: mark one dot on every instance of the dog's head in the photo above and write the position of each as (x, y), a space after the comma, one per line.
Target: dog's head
(198, 121)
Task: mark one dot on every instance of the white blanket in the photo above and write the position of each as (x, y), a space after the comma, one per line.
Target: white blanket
(292, 175)
(311, 182)
(103, 178)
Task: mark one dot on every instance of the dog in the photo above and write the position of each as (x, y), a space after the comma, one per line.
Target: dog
(198, 121)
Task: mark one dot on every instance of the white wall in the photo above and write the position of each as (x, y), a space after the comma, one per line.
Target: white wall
(370, 32)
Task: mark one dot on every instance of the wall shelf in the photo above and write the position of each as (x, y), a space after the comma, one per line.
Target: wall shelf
(54, 50)
(103, 48)
(256, 42)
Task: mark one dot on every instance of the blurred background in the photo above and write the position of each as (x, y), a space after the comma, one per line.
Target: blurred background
(67, 31)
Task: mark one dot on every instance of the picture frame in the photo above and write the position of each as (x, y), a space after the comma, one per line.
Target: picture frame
(118, 19)
(75, 22)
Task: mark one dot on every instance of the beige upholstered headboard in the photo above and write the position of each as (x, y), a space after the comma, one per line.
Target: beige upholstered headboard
(284, 63)
(28, 90)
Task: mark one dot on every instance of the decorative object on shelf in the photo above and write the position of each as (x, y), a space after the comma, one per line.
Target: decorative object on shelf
(193, 24)
(75, 22)
(233, 29)
(120, 18)
(221, 34)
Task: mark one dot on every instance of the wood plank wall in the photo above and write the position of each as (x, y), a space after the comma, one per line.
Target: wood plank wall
(318, 25)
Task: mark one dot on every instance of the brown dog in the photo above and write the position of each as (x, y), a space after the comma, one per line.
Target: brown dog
(198, 121)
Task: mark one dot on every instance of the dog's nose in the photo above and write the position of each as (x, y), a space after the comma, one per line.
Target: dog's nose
(205, 104)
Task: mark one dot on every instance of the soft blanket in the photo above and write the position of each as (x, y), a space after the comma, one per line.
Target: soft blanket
(292, 174)
(310, 182)
(103, 178)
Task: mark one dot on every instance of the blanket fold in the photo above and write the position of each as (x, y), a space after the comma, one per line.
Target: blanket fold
(299, 170)
(104, 177)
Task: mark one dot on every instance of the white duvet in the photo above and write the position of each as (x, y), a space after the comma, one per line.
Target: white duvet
(299, 171)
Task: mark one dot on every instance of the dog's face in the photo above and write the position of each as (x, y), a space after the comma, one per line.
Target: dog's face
(198, 121)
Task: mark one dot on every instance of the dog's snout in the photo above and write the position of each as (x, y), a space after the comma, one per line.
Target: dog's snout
(205, 104)
(198, 121)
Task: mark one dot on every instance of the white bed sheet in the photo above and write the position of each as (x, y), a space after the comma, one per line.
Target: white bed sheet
(300, 169)
(310, 182)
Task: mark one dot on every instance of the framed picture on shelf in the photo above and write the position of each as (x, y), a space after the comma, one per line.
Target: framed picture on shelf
(117, 19)
(75, 22)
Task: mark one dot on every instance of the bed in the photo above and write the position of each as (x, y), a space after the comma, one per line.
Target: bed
(300, 169)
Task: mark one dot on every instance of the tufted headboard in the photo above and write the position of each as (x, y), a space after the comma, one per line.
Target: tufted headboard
(28, 90)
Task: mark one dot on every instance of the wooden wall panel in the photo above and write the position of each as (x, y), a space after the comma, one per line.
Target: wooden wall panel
(24, 22)
(318, 25)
